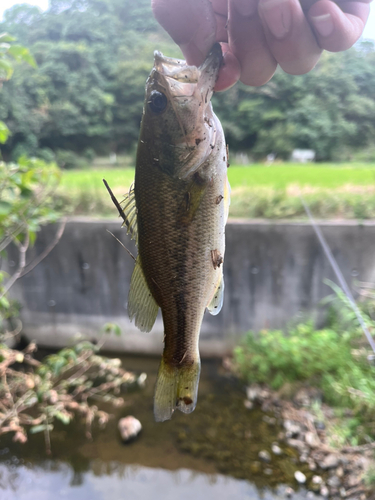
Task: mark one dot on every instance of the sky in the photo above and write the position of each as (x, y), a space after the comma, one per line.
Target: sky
(5, 4)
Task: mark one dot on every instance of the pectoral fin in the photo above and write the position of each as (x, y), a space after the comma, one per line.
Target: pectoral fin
(214, 307)
(141, 304)
(191, 202)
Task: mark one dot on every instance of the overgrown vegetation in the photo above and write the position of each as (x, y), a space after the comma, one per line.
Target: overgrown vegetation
(33, 393)
(93, 60)
(335, 360)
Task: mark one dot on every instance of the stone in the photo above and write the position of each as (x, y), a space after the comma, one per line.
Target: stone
(276, 450)
(320, 425)
(249, 405)
(300, 477)
(302, 398)
(255, 467)
(340, 472)
(316, 483)
(264, 394)
(298, 444)
(264, 455)
(269, 420)
(331, 461)
(129, 428)
(324, 491)
(334, 482)
(292, 429)
(311, 439)
(253, 392)
(289, 492)
(317, 480)
(311, 464)
(268, 471)
(142, 380)
(342, 492)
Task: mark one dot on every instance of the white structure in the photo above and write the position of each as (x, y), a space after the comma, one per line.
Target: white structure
(302, 155)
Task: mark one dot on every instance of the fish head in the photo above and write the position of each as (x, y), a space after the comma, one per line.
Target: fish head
(178, 113)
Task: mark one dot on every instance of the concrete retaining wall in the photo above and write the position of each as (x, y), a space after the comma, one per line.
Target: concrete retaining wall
(274, 274)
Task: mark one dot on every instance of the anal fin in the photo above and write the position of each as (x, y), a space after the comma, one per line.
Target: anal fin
(141, 304)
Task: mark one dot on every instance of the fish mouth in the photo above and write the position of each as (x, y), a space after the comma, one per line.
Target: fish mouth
(179, 79)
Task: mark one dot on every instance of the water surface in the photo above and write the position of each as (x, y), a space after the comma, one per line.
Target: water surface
(210, 454)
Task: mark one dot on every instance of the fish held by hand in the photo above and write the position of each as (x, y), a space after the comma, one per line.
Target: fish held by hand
(177, 213)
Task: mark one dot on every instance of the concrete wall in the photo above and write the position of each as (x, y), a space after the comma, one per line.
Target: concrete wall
(274, 274)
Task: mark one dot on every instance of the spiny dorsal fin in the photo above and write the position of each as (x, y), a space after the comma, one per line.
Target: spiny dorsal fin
(214, 307)
(127, 210)
(141, 304)
(129, 214)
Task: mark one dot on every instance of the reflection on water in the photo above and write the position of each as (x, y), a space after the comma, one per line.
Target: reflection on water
(211, 454)
(125, 483)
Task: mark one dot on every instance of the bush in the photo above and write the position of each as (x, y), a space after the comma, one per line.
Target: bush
(89, 154)
(332, 359)
(46, 154)
(69, 160)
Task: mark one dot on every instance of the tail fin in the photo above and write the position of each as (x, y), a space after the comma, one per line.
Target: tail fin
(176, 387)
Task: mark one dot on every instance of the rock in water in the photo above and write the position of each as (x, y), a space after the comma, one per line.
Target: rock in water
(265, 456)
(129, 428)
(300, 477)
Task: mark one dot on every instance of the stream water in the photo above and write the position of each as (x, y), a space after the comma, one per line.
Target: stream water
(210, 454)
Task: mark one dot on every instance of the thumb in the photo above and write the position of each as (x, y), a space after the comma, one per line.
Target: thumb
(191, 24)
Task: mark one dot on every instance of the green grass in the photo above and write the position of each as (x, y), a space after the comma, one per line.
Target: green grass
(322, 175)
(332, 190)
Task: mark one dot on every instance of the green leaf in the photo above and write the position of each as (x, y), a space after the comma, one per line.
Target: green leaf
(6, 68)
(112, 328)
(4, 133)
(5, 207)
(4, 37)
(40, 428)
(20, 53)
(4, 302)
(63, 417)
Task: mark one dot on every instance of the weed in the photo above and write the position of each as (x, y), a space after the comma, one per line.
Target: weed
(333, 359)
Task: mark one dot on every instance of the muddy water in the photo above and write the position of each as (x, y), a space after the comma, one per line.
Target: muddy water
(210, 454)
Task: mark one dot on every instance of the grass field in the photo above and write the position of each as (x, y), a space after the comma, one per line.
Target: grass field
(332, 190)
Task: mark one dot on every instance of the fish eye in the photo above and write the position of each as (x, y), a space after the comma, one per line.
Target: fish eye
(157, 102)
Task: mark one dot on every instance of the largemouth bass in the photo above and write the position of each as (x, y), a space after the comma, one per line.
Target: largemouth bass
(177, 213)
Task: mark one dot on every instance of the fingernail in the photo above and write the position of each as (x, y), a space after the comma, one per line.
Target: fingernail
(245, 7)
(278, 16)
(323, 24)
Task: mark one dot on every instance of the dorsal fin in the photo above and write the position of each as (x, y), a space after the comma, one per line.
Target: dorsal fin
(129, 211)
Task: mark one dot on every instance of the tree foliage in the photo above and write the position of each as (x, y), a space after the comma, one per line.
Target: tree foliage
(93, 60)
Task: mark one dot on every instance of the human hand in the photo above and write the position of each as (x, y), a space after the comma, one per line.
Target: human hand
(257, 35)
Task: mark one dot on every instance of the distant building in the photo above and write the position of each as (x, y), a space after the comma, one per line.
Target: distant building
(302, 155)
